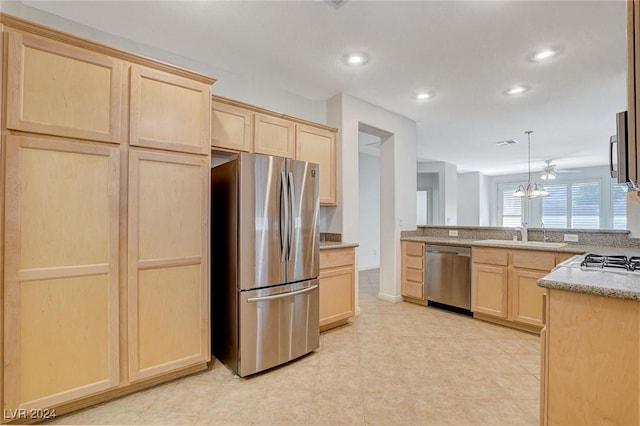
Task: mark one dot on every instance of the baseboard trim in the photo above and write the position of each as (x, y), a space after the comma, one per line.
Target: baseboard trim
(389, 297)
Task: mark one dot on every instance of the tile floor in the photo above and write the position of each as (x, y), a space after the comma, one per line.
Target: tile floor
(396, 364)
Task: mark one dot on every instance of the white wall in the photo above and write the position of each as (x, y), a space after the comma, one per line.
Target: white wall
(369, 208)
(231, 84)
(469, 198)
(473, 199)
(447, 190)
(397, 187)
(430, 182)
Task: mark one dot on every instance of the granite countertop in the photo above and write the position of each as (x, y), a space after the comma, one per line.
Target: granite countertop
(566, 276)
(618, 284)
(326, 245)
(453, 241)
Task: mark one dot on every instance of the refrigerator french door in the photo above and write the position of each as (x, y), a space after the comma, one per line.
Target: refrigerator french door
(265, 255)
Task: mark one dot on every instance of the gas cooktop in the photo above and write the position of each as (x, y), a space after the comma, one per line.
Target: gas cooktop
(593, 261)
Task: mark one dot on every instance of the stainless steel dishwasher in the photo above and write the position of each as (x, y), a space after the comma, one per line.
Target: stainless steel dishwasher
(447, 275)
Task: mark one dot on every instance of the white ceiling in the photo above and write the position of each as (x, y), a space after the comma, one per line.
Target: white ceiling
(467, 52)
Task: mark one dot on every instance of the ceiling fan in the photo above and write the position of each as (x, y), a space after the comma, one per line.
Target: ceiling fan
(550, 173)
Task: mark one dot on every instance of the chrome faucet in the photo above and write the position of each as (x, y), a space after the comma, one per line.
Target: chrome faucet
(544, 233)
(523, 231)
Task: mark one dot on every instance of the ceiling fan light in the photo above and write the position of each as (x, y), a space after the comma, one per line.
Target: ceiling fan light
(548, 175)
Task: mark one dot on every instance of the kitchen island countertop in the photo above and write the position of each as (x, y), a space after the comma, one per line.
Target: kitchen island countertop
(507, 244)
(327, 245)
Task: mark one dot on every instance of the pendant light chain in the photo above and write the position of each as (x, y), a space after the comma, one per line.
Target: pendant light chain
(531, 191)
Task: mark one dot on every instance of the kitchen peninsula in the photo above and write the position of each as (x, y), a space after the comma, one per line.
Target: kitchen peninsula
(591, 346)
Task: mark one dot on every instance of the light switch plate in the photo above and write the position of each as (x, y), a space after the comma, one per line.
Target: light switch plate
(453, 233)
(572, 238)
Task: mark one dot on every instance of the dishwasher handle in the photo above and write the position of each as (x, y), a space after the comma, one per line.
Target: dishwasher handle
(451, 250)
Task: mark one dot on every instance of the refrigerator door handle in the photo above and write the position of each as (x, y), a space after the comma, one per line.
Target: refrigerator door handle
(291, 216)
(284, 218)
(281, 295)
(613, 140)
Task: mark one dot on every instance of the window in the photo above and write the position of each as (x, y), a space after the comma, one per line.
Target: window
(554, 207)
(585, 205)
(511, 208)
(572, 205)
(619, 198)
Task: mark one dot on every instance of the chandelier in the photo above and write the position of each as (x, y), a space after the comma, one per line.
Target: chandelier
(534, 190)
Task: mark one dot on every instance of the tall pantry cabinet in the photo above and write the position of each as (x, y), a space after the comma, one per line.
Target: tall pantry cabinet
(105, 200)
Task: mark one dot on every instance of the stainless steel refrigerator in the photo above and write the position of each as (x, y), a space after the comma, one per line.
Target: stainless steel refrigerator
(264, 261)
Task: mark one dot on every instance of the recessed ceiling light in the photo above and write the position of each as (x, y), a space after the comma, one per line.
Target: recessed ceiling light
(516, 90)
(543, 54)
(356, 58)
(423, 96)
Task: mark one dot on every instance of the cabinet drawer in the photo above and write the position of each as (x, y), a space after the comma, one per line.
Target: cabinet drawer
(412, 262)
(414, 275)
(490, 256)
(331, 258)
(414, 249)
(414, 290)
(529, 259)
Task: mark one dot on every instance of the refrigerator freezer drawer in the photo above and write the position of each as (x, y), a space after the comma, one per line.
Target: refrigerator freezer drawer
(277, 324)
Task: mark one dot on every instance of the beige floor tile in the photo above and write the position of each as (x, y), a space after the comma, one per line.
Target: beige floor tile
(336, 407)
(395, 364)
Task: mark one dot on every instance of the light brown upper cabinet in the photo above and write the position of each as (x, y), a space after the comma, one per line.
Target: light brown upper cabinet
(169, 112)
(231, 127)
(60, 271)
(274, 136)
(319, 146)
(168, 299)
(236, 126)
(58, 89)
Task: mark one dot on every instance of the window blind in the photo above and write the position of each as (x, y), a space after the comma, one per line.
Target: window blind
(511, 209)
(619, 197)
(585, 205)
(555, 206)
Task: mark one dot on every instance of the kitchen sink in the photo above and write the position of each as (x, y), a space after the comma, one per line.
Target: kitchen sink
(523, 243)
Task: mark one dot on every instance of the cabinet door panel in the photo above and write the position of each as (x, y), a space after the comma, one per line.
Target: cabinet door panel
(169, 112)
(231, 127)
(168, 300)
(489, 286)
(337, 296)
(273, 136)
(319, 146)
(527, 297)
(61, 271)
(63, 90)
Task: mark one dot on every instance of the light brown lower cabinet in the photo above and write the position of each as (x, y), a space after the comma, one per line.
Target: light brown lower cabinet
(337, 286)
(590, 352)
(168, 302)
(504, 285)
(61, 332)
(412, 286)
